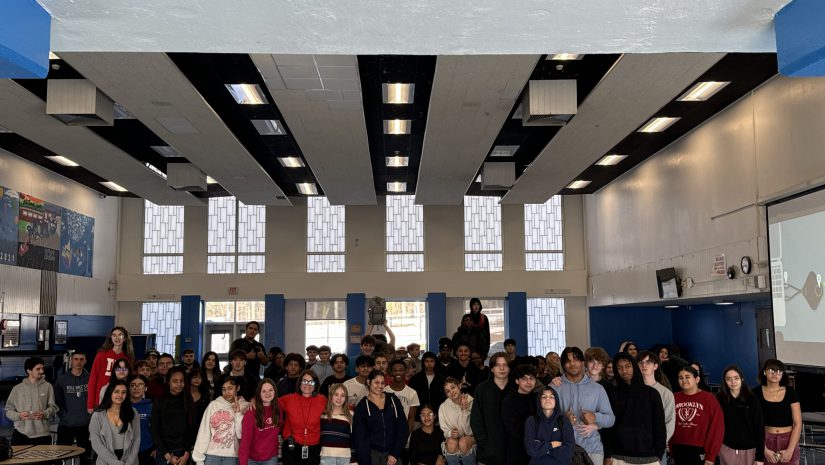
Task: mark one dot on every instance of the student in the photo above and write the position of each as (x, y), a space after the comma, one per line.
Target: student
(199, 392)
(173, 427)
(744, 439)
(152, 356)
(407, 395)
(120, 371)
(254, 351)
(336, 428)
(275, 371)
(339, 373)
(70, 393)
(142, 367)
(382, 362)
(699, 422)
(516, 407)
(302, 426)
(425, 442)
(629, 348)
(428, 383)
(367, 348)
(782, 414)
(485, 418)
(357, 387)
(220, 428)
(548, 436)
(31, 406)
(157, 384)
(210, 369)
(482, 324)
(247, 380)
(468, 333)
(322, 367)
(294, 364)
(114, 429)
(117, 345)
(312, 355)
(463, 369)
(379, 428)
(143, 406)
(414, 354)
(596, 360)
(260, 427)
(445, 355)
(454, 419)
(655, 378)
(510, 350)
(187, 360)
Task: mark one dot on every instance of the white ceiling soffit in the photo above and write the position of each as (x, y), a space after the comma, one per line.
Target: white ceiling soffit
(635, 88)
(157, 93)
(424, 27)
(471, 98)
(320, 99)
(25, 114)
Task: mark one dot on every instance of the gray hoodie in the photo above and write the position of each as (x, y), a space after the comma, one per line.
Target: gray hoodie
(591, 396)
(29, 397)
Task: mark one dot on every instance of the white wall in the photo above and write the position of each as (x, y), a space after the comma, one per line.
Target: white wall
(704, 195)
(74, 294)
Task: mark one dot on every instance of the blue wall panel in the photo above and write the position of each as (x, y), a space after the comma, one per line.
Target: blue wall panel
(515, 320)
(191, 325)
(800, 38)
(646, 326)
(436, 319)
(275, 320)
(25, 29)
(356, 315)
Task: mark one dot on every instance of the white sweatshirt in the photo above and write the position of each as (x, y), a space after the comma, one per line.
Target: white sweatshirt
(452, 416)
(220, 431)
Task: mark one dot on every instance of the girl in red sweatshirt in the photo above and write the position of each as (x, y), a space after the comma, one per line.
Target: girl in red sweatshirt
(117, 345)
(700, 424)
(260, 426)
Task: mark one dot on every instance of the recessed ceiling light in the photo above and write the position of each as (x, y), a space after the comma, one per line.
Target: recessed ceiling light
(578, 184)
(658, 124)
(397, 186)
(702, 91)
(504, 150)
(397, 161)
(566, 56)
(397, 126)
(307, 188)
(247, 94)
(671, 306)
(291, 162)
(610, 160)
(53, 56)
(166, 151)
(155, 170)
(4, 130)
(114, 186)
(269, 127)
(211, 180)
(395, 92)
(62, 160)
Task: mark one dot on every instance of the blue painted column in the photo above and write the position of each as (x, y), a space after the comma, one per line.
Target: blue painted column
(436, 319)
(515, 320)
(800, 38)
(25, 36)
(191, 325)
(356, 322)
(275, 320)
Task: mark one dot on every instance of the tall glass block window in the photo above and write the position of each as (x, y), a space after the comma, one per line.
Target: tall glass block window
(494, 309)
(326, 324)
(408, 321)
(162, 319)
(482, 233)
(405, 234)
(236, 237)
(543, 234)
(326, 236)
(545, 325)
(162, 239)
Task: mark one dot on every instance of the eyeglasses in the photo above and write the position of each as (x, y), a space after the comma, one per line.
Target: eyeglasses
(122, 369)
(427, 414)
(136, 385)
(646, 361)
(775, 371)
(308, 382)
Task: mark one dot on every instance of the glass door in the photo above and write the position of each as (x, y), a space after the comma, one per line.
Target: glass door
(218, 340)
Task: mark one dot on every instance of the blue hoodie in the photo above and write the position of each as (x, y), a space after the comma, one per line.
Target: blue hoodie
(144, 410)
(384, 431)
(591, 396)
(541, 430)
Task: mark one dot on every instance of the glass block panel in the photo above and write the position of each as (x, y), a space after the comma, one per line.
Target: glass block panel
(494, 309)
(220, 264)
(543, 227)
(544, 261)
(222, 226)
(162, 319)
(482, 224)
(326, 263)
(405, 224)
(250, 310)
(545, 325)
(327, 332)
(405, 262)
(251, 264)
(482, 262)
(162, 229)
(408, 321)
(220, 312)
(325, 226)
(326, 310)
(251, 229)
(163, 264)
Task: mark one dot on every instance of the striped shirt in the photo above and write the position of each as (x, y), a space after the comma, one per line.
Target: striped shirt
(336, 435)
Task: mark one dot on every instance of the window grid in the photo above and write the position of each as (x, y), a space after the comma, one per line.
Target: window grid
(163, 320)
(482, 233)
(326, 236)
(326, 323)
(241, 311)
(494, 309)
(543, 236)
(545, 325)
(408, 320)
(405, 234)
(163, 228)
(236, 237)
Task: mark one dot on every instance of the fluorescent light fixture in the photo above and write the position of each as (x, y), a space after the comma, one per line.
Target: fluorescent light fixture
(114, 186)
(291, 162)
(397, 126)
(4, 130)
(658, 124)
(671, 306)
(269, 127)
(702, 91)
(62, 160)
(578, 184)
(397, 161)
(165, 151)
(211, 180)
(307, 188)
(155, 170)
(504, 150)
(247, 94)
(610, 160)
(396, 92)
(723, 302)
(53, 56)
(397, 186)
(566, 56)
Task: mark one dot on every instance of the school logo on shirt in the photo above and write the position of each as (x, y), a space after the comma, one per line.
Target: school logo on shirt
(686, 412)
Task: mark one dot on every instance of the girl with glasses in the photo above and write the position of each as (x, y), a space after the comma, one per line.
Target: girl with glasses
(143, 406)
(744, 441)
(116, 346)
(121, 370)
(699, 422)
(219, 432)
(782, 414)
(425, 442)
(302, 424)
(336, 428)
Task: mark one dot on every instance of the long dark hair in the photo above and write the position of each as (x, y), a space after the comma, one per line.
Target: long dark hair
(188, 402)
(128, 349)
(126, 414)
(204, 389)
(216, 372)
(259, 404)
(724, 391)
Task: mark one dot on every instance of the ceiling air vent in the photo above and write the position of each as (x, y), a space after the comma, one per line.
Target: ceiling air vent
(549, 102)
(77, 102)
(497, 176)
(185, 177)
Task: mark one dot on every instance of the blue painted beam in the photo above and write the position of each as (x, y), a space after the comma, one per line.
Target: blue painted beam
(800, 38)
(275, 320)
(25, 36)
(356, 320)
(191, 325)
(436, 319)
(515, 320)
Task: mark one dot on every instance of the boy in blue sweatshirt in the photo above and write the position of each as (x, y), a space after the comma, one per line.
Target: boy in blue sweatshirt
(137, 393)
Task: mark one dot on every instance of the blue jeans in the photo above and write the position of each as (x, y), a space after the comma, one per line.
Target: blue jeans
(218, 460)
(272, 461)
(334, 460)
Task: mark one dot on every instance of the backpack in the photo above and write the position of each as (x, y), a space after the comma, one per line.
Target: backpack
(580, 456)
(5, 449)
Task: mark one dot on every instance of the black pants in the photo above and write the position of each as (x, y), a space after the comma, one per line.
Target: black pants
(69, 435)
(19, 439)
(687, 455)
(293, 456)
(145, 457)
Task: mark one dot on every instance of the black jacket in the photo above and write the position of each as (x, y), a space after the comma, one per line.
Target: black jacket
(515, 410)
(432, 394)
(639, 430)
(744, 425)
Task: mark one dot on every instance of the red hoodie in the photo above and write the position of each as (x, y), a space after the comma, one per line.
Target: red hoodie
(100, 374)
(699, 422)
(259, 444)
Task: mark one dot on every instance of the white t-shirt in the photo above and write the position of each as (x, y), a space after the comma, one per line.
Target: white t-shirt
(356, 391)
(407, 396)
